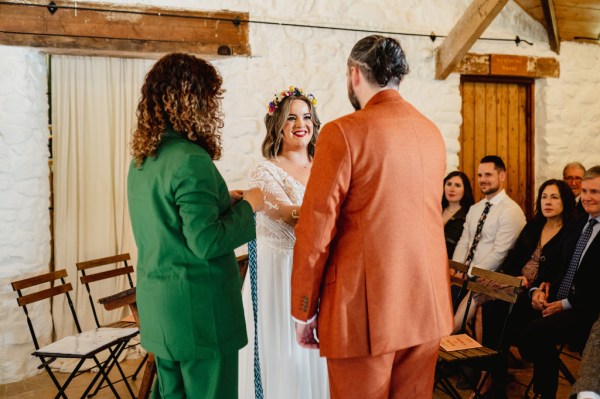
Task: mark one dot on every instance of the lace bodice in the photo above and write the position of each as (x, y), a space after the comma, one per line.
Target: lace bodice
(280, 190)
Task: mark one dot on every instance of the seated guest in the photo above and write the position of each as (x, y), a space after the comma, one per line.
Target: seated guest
(537, 242)
(573, 175)
(456, 201)
(565, 295)
(491, 226)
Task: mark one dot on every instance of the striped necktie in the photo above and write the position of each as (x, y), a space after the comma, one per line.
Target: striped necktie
(567, 280)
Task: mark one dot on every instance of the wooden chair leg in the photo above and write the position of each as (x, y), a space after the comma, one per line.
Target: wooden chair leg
(148, 378)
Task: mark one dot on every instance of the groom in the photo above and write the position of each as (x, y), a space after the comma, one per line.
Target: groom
(370, 265)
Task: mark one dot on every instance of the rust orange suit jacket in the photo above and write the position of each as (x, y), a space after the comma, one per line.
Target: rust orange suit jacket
(370, 255)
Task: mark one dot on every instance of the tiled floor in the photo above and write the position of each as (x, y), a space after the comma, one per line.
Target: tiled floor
(41, 387)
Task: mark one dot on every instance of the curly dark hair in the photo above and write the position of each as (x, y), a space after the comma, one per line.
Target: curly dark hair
(272, 144)
(183, 93)
(380, 59)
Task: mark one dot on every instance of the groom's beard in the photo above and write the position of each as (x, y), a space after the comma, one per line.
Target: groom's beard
(352, 97)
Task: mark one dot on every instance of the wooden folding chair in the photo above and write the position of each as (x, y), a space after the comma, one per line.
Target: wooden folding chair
(127, 298)
(481, 358)
(460, 276)
(83, 346)
(98, 270)
(101, 269)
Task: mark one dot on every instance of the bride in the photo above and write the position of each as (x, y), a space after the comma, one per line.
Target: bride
(280, 368)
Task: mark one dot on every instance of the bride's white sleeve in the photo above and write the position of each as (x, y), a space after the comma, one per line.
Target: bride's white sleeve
(277, 203)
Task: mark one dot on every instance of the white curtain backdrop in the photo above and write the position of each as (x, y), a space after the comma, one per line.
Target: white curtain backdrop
(93, 114)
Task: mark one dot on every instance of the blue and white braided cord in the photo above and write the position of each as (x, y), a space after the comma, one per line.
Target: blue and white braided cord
(254, 287)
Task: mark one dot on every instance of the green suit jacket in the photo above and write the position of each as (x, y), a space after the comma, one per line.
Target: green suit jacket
(188, 282)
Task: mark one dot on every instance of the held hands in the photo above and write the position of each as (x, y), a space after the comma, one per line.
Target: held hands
(306, 335)
(255, 198)
(552, 307)
(235, 195)
(539, 299)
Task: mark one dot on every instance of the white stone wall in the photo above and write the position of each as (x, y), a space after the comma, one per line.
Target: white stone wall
(568, 113)
(24, 202)
(567, 120)
(315, 59)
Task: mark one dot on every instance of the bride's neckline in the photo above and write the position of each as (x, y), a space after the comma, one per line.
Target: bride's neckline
(270, 162)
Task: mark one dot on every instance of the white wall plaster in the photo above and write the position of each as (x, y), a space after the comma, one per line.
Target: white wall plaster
(24, 202)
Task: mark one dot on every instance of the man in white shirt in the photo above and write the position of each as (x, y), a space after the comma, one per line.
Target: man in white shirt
(502, 225)
(573, 175)
(486, 239)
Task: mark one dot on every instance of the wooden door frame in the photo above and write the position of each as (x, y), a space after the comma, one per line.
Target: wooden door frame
(529, 84)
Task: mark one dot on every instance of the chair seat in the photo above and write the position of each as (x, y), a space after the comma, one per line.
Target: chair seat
(122, 324)
(87, 343)
(466, 354)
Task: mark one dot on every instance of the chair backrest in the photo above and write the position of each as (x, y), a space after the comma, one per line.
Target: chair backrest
(58, 286)
(508, 295)
(89, 274)
(496, 285)
(461, 269)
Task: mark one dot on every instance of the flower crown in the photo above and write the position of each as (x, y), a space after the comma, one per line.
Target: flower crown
(291, 91)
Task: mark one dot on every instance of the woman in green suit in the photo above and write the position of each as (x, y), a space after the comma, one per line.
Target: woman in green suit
(186, 225)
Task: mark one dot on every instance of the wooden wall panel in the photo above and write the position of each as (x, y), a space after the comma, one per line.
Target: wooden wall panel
(496, 122)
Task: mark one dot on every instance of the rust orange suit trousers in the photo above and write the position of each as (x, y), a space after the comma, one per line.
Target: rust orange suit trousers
(407, 373)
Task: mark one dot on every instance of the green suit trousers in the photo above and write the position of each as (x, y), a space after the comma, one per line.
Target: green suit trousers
(215, 378)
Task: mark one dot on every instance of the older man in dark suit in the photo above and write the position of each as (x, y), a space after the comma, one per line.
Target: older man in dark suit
(573, 175)
(567, 295)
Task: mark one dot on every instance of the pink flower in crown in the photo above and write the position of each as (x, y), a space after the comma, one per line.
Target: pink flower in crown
(292, 91)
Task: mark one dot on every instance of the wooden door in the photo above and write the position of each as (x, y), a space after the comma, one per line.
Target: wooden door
(498, 120)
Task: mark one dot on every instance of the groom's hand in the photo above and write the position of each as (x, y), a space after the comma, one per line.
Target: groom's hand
(306, 335)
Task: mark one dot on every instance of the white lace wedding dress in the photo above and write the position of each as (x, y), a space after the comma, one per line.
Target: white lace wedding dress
(287, 370)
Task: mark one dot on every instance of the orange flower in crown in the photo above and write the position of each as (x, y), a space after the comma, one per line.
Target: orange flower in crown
(291, 91)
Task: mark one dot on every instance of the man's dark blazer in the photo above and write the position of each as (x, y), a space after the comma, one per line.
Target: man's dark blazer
(584, 298)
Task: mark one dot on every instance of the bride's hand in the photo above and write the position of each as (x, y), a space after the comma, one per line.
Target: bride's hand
(256, 199)
(235, 196)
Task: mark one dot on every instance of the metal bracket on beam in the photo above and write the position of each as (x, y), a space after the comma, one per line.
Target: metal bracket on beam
(52, 7)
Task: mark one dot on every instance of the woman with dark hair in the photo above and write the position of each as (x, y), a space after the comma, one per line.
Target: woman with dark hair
(537, 243)
(286, 369)
(186, 225)
(456, 201)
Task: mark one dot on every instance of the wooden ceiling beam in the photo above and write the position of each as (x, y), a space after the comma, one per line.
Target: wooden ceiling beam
(478, 16)
(551, 25)
(122, 31)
